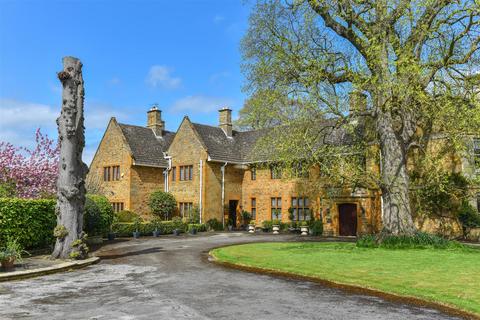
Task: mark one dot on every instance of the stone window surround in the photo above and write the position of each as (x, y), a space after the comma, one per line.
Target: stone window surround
(185, 172)
(111, 173)
(276, 206)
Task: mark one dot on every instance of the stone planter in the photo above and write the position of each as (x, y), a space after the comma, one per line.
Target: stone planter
(8, 264)
(156, 233)
(176, 232)
(304, 231)
(111, 236)
(251, 228)
(193, 231)
(275, 229)
(136, 234)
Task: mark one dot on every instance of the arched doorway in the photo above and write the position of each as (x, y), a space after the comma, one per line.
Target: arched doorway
(347, 219)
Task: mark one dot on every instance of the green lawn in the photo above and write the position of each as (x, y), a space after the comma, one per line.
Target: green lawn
(451, 277)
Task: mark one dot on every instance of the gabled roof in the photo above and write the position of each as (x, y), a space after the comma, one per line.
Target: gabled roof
(239, 147)
(147, 149)
(222, 148)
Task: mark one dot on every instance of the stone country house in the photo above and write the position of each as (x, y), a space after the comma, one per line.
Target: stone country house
(211, 168)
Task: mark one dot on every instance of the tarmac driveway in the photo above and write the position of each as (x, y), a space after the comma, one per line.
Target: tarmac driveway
(170, 278)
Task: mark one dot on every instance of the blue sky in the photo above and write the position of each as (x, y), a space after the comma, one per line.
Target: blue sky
(183, 55)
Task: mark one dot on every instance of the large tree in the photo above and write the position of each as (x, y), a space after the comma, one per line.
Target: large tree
(415, 62)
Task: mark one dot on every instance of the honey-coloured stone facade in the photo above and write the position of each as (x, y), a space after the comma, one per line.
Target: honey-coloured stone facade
(218, 183)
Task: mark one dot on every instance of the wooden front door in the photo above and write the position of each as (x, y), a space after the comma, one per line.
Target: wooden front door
(347, 219)
(232, 212)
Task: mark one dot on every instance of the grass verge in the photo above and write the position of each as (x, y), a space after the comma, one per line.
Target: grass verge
(448, 277)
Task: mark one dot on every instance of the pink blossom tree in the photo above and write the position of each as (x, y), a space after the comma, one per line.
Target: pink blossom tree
(29, 173)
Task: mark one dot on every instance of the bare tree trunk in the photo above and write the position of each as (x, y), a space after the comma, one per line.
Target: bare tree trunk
(72, 170)
(397, 214)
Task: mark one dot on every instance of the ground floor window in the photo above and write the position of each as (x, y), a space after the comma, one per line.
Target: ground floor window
(117, 206)
(253, 208)
(185, 208)
(301, 209)
(276, 208)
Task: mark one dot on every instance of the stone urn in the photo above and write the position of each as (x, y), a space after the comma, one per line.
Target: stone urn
(276, 229)
(251, 228)
(304, 230)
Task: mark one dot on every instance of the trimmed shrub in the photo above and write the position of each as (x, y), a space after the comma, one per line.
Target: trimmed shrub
(419, 240)
(468, 217)
(126, 216)
(162, 204)
(29, 221)
(214, 224)
(125, 229)
(317, 228)
(201, 227)
(98, 215)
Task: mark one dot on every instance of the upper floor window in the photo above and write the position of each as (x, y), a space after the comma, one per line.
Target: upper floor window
(300, 207)
(476, 154)
(174, 173)
(275, 172)
(186, 173)
(111, 173)
(300, 170)
(253, 173)
(253, 208)
(276, 208)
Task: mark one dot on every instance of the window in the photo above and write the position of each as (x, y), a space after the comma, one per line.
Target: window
(253, 208)
(174, 173)
(301, 210)
(275, 172)
(111, 173)
(253, 173)
(276, 208)
(117, 206)
(116, 173)
(106, 173)
(476, 154)
(185, 208)
(300, 170)
(186, 173)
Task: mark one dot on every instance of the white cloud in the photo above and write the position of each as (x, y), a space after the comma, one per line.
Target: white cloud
(160, 76)
(200, 104)
(19, 120)
(218, 19)
(114, 81)
(218, 77)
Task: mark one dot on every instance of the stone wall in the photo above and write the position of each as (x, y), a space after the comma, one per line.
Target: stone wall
(112, 151)
(186, 149)
(144, 181)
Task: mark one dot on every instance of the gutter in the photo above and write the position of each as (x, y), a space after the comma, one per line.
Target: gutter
(165, 173)
(200, 205)
(222, 169)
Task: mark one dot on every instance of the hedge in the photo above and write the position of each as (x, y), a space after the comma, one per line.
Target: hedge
(30, 221)
(98, 215)
(126, 229)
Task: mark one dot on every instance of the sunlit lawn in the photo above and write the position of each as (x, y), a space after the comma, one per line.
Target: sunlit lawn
(451, 277)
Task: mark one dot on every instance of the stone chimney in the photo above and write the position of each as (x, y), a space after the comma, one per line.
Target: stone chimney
(225, 121)
(154, 121)
(358, 101)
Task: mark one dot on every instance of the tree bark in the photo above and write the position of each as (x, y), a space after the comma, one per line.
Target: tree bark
(72, 170)
(397, 213)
